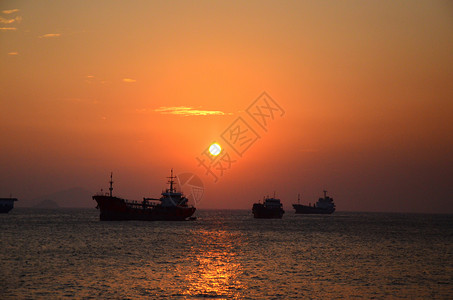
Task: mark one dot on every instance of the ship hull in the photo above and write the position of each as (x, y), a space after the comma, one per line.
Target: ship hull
(5, 209)
(6, 205)
(305, 209)
(262, 212)
(118, 209)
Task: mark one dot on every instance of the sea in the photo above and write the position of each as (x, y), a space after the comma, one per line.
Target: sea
(226, 254)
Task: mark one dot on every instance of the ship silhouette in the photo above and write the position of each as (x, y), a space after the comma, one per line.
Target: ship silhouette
(171, 206)
(322, 206)
(271, 208)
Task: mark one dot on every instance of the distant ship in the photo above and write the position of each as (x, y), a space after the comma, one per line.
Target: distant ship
(172, 206)
(271, 208)
(323, 206)
(6, 204)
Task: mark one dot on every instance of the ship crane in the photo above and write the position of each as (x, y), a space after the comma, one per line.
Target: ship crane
(111, 184)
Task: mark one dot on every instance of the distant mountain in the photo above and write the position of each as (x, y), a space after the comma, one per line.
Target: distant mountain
(74, 197)
(47, 204)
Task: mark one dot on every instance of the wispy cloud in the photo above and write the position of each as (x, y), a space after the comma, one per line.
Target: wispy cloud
(10, 11)
(77, 101)
(17, 19)
(129, 80)
(188, 111)
(91, 79)
(6, 21)
(13, 53)
(8, 28)
(50, 35)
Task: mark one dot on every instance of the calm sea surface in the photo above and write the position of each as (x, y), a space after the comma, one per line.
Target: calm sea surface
(225, 254)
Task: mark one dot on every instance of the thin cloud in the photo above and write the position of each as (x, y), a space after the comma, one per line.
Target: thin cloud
(10, 11)
(188, 111)
(8, 28)
(13, 53)
(129, 80)
(50, 35)
(7, 21)
(89, 79)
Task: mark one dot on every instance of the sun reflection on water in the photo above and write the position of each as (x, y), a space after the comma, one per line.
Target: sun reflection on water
(216, 271)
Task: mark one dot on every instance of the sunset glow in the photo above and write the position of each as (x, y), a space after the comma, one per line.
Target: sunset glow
(226, 149)
(363, 94)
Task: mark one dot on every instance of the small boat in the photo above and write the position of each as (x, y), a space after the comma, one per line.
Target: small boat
(271, 208)
(172, 206)
(6, 204)
(323, 206)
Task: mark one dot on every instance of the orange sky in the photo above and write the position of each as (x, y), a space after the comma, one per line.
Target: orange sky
(366, 87)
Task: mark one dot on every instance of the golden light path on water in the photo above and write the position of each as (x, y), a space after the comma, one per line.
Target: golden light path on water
(226, 255)
(216, 271)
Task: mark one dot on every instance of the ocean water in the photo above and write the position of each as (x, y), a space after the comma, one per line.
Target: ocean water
(225, 255)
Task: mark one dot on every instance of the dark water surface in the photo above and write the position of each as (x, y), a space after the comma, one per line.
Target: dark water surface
(226, 255)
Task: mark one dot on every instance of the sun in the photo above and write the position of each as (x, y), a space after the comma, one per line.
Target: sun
(215, 149)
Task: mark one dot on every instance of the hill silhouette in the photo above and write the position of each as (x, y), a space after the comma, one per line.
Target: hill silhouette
(70, 198)
(47, 204)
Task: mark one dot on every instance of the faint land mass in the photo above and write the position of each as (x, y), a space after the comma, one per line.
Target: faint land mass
(71, 198)
(47, 204)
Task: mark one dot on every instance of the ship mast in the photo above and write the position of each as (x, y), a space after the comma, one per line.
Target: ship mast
(298, 198)
(325, 193)
(171, 181)
(111, 184)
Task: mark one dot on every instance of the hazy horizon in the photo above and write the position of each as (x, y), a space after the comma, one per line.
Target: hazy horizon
(359, 94)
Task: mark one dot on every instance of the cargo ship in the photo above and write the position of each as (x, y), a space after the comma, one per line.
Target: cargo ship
(171, 206)
(271, 208)
(322, 206)
(6, 204)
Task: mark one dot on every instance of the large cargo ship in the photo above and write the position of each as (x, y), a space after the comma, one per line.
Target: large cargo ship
(271, 208)
(6, 204)
(323, 206)
(172, 206)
